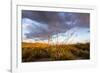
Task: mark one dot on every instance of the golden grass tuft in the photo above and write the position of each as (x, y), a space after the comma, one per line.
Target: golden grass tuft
(44, 52)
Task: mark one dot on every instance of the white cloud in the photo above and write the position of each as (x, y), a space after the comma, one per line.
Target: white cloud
(31, 27)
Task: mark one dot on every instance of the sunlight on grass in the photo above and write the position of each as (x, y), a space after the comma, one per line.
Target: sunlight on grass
(43, 52)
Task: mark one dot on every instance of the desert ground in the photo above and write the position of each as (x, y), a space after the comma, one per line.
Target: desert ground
(33, 52)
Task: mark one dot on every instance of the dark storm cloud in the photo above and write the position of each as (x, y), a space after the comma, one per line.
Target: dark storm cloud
(49, 23)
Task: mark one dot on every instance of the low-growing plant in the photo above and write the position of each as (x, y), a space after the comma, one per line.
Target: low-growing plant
(55, 52)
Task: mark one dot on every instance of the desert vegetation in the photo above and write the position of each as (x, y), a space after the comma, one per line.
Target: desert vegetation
(32, 52)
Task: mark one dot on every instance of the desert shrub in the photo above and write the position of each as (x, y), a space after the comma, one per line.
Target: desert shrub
(83, 46)
(84, 54)
(56, 52)
(61, 54)
(40, 53)
(26, 53)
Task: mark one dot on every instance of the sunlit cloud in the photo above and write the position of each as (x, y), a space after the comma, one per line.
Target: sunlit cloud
(67, 27)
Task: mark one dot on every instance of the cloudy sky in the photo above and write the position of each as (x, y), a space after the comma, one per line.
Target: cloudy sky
(67, 26)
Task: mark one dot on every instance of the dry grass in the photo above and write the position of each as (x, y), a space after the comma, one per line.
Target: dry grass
(43, 52)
